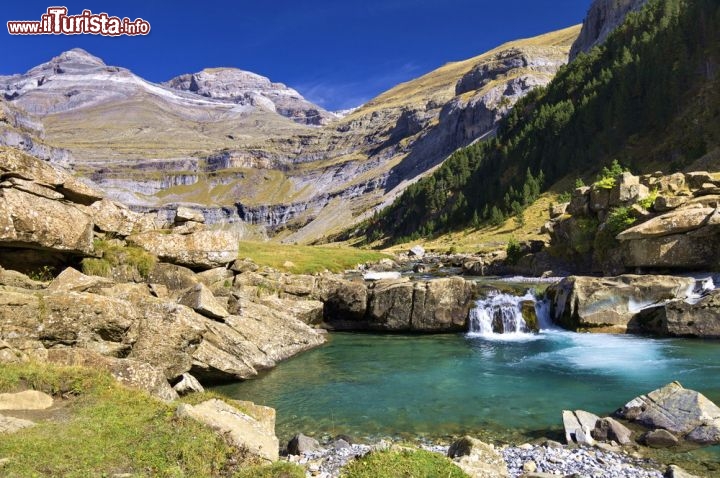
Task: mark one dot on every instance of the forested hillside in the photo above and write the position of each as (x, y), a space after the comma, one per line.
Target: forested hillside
(648, 97)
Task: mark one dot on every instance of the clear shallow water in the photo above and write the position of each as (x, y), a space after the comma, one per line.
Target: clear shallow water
(436, 386)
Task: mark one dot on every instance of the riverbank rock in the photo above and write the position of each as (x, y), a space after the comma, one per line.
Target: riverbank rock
(188, 384)
(242, 430)
(610, 304)
(478, 459)
(679, 318)
(439, 305)
(300, 444)
(685, 413)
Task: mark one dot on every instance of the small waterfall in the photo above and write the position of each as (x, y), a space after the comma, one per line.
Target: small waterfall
(501, 313)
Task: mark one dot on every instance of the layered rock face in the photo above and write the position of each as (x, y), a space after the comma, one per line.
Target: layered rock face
(603, 17)
(246, 88)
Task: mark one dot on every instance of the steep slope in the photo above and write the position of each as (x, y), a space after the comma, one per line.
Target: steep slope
(247, 88)
(648, 97)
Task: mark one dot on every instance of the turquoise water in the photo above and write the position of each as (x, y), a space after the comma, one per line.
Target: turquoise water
(368, 386)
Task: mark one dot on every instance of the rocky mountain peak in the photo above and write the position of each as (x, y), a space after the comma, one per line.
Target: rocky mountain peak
(78, 55)
(75, 60)
(602, 18)
(247, 88)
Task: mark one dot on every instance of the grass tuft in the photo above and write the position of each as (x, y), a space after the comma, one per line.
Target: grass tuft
(114, 254)
(403, 464)
(276, 470)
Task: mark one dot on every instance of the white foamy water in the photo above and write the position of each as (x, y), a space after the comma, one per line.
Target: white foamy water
(499, 317)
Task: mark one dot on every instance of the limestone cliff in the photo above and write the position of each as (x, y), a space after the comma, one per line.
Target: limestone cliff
(602, 18)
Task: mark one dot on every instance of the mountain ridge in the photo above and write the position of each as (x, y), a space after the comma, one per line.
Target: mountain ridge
(240, 163)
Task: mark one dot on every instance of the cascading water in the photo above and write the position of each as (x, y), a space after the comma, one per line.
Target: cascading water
(501, 313)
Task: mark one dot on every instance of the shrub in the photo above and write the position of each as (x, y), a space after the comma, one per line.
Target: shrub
(608, 176)
(514, 251)
(648, 202)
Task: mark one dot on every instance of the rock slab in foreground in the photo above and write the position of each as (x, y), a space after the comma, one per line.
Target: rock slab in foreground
(244, 431)
(686, 413)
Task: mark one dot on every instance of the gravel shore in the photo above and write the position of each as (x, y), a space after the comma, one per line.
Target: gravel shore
(552, 460)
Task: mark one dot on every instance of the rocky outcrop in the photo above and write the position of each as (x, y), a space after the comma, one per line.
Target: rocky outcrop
(611, 304)
(122, 327)
(673, 409)
(201, 250)
(246, 88)
(603, 17)
(41, 211)
(256, 435)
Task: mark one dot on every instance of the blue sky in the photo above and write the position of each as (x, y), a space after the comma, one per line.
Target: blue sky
(337, 53)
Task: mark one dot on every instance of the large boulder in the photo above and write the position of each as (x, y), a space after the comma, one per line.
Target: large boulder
(12, 424)
(36, 222)
(257, 436)
(677, 221)
(610, 304)
(442, 305)
(200, 250)
(16, 164)
(686, 413)
(113, 217)
(679, 239)
(67, 319)
(679, 251)
(201, 300)
(627, 190)
(25, 400)
(166, 335)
